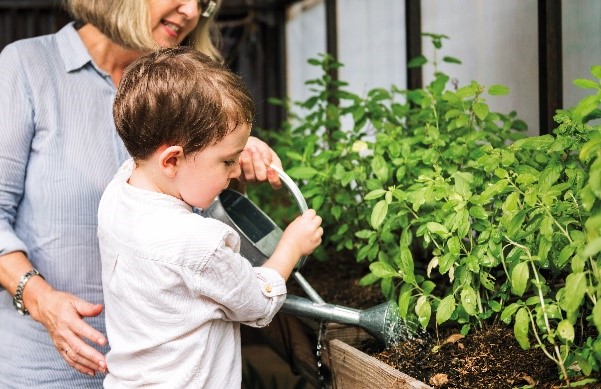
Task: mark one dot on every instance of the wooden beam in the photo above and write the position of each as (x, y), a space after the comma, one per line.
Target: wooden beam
(332, 32)
(549, 62)
(332, 49)
(413, 43)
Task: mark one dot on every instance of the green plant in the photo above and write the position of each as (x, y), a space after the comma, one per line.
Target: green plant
(504, 232)
(462, 218)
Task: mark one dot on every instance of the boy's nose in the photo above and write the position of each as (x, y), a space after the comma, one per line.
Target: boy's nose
(236, 171)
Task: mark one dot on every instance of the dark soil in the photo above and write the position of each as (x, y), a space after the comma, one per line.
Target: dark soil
(485, 358)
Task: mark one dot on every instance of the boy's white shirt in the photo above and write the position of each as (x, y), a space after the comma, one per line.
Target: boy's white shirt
(175, 290)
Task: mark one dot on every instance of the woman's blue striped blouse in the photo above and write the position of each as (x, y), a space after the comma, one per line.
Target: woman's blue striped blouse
(58, 151)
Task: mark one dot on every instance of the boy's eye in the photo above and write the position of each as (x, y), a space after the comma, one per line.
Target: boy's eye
(230, 162)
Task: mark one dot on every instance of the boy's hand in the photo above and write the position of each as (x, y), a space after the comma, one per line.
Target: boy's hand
(300, 238)
(304, 234)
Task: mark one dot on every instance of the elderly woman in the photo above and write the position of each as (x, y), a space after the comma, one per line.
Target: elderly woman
(58, 151)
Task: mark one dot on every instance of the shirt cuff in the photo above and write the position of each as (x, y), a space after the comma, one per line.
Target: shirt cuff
(272, 283)
(9, 243)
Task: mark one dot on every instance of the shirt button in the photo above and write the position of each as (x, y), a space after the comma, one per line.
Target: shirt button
(267, 288)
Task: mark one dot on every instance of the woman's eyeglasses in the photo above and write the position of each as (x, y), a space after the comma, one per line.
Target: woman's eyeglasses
(207, 7)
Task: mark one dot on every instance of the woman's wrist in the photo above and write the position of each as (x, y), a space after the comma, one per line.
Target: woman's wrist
(33, 295)
(18, 296)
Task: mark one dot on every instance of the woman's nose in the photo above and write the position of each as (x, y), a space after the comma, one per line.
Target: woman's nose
(189, 8)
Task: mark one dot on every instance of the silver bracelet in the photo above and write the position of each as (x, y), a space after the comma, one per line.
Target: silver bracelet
(18, 297)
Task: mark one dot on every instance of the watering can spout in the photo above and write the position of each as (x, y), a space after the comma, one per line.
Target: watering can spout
(382, 321)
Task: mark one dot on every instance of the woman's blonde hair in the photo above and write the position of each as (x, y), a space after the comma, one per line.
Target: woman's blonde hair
(127, 23)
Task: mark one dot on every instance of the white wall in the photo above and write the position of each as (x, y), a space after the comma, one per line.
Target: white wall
(581, 45)
(497, 44)
(305, 38)
(371, 44)
(497, 41)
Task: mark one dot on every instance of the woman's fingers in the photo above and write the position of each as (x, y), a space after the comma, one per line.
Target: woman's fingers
(82, 356)
(255, 161)
(62, 314)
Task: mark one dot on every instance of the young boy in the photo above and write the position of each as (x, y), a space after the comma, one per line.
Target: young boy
(176, 288)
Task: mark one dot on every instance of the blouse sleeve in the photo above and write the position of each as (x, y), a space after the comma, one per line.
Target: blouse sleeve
(246, 294)
(16, 134)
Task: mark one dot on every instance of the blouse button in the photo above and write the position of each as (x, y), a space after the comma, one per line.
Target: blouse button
(267, 288)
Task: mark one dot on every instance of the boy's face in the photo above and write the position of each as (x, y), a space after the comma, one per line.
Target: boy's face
(205, 174)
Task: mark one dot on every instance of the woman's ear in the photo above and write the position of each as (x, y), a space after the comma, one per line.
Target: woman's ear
(170, 159)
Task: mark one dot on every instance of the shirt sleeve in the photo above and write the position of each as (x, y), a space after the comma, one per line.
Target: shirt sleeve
(245, 294)
(16, 134)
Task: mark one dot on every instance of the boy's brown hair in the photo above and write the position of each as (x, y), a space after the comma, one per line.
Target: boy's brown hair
(178, 96)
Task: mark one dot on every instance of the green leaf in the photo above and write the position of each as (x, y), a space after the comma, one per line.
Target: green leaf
(378, 214)
(466, 91)
(593, 247)
(469, 300)
(380, 168)
(596, 71)
(374, 194)
(404, 300)
(519, 278)
(454, 245)
(508, 312)
(417, 62)
(485, 280)
(407, 265)
(302, 172)
(574, 291)
(439, 83)
(445, 309)
(520, 328)
(495, 305)
(542, 143)
(448, 59)
(564, 255)
(437, 228)
(383, 270)
(478, 212)
(481, 110)
(368, 279)
(586, 84)
(566, 330)
(423, 311)
(498, 90)
(462, 183)
(597, 315)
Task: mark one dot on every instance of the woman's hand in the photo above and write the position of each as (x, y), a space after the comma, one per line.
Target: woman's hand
(61, 313)
(255, 161)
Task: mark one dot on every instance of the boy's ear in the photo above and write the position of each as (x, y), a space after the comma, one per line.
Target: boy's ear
(170, 159)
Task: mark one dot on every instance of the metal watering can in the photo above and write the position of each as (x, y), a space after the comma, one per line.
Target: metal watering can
(259, 236)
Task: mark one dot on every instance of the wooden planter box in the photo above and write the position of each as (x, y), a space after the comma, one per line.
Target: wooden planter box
(343, 365)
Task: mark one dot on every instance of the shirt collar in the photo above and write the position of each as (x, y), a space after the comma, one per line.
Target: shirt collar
(72, 50)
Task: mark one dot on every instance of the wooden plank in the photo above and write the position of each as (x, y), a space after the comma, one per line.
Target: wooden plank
(353, 336)
(353, 369)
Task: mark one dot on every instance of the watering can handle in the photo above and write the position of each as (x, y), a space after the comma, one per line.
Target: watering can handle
(302, 205)
(298, 196)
